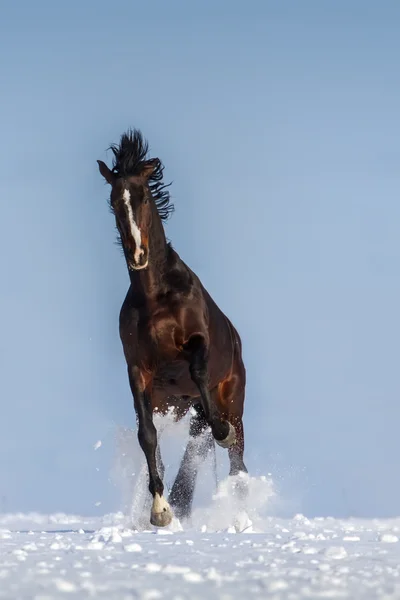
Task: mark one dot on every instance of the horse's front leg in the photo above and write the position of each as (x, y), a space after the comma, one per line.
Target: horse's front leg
(161, 514)
(196, 352)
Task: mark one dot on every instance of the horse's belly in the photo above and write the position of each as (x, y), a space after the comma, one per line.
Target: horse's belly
(173, 378)
(179, 404)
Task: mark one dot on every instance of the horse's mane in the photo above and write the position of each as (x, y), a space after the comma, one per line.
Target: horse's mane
(130, 159)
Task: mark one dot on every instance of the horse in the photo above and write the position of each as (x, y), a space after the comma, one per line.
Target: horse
(181, 350)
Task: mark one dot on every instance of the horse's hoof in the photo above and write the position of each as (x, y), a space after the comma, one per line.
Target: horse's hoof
(161, 513)
(161, 519)
(230, 439)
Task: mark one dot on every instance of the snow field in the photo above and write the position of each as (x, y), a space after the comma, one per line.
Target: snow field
(227, 550)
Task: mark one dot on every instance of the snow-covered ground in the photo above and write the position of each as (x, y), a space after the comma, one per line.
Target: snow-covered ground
(227, 550)
(59, 556)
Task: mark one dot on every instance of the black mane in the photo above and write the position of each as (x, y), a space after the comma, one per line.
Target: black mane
(130, 159)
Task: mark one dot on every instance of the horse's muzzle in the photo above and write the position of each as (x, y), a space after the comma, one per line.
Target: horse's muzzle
(140, 261)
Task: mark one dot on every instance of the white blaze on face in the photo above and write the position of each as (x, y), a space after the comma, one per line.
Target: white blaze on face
(135, 231)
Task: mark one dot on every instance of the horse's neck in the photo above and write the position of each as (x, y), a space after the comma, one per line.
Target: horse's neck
(158, 247)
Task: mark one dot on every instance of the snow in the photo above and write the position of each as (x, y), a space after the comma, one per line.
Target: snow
(57, 556)
(229, 549)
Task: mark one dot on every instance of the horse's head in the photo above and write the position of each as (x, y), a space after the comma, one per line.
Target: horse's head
(132, 204)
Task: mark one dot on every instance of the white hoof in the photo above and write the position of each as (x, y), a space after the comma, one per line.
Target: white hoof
(161, 513)
(243, 523)
(230, 439)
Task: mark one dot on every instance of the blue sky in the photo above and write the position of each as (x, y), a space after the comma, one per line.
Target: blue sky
(278, 124)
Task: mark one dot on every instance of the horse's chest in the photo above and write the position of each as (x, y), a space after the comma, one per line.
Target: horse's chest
(166, 334)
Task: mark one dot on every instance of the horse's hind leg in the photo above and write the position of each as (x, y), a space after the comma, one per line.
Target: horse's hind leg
(236, 452)
(196, 353)
(229, 397)
(200, 443)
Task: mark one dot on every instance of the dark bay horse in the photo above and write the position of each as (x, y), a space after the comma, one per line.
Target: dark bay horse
(180, 348)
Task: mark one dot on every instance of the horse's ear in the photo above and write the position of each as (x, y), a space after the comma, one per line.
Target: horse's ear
(105, 171)
(149, 167)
